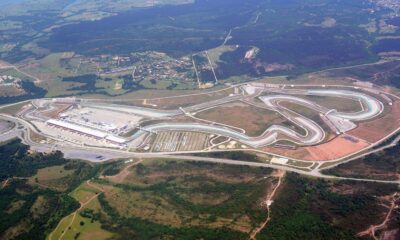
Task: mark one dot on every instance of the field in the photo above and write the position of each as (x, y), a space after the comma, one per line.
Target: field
(75, 10)
(376, 129)
(68, 73)
(340, 104)
(381, 73)
(149, 190)
(332, 149)
(195, 97)
(172, 99)
(10, 91)
(337, 148)
(51, 72)
(77, 225)
(14, 109)
(307, 112)
(173, 198)
(17, 86)
(52, 177)
(233, 114)
(14, 73)
(5, 126)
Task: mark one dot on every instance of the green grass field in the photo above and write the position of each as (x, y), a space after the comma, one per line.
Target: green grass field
(52, 177)
(76, 226)
(14, 73)
(80, 227)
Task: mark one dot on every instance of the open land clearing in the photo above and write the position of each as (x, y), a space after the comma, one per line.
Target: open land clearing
(52, 177)
(76, 224)
(257, 120)
(211, 197)
(247, 202)
(138, 194)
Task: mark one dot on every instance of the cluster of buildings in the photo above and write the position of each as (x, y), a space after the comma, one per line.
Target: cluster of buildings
(6, 80)
(93, 123)
(154, 66)
(86, 131)
(86, 121)
(144, 66)
(151, 66)
(392, 4)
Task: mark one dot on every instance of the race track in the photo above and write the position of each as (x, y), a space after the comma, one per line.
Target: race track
(314, 134)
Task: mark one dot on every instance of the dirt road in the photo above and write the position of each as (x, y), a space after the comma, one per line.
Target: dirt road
(280, 174)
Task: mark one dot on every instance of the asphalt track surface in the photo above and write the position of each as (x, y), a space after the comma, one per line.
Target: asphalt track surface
(314, 133)
(92, 153)
(270, 99)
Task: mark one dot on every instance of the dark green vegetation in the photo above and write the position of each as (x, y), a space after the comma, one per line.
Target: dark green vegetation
(129, 83)
(317, 209)
(387, 45)
(303, 208)
(18, 86)
(87, 82)
(284, 34)
(181, 200)
(136, 227)
(17, 163)
(384, 165)
(176, 30)
(30, 91)
(290, 37)
(201, 199)
(29, 211)
(24, 22)
(394, 21)
(235, 155)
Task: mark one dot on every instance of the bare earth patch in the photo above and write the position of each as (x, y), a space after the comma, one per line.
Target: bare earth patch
(377, 129)
(336, 148)
(254, 120)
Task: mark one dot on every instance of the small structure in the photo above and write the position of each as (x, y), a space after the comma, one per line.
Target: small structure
(280, 160)
(96, 134)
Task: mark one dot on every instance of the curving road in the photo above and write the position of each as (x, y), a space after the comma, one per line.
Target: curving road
(270, 98)
(314, 133)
